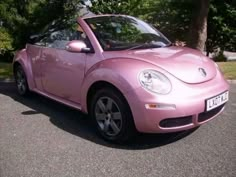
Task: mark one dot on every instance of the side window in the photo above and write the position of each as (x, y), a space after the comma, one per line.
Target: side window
(39, 40)
(60, 38)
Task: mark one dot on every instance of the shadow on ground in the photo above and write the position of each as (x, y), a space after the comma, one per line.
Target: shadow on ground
(79, 124)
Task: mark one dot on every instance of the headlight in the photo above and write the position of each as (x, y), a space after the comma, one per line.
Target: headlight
(155, 81)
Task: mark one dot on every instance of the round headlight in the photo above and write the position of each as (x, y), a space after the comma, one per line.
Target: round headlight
(155, 82)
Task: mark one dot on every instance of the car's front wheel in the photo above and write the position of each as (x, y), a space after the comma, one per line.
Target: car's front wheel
(112, 115)
(21, 81)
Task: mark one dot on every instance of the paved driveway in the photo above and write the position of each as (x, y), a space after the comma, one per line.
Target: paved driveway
(39, 137)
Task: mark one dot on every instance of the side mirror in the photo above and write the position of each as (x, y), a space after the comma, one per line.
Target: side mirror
(77, 46)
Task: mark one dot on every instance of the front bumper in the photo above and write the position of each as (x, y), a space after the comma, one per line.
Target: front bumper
(182, 109)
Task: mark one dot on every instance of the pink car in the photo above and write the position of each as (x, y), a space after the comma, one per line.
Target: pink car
(124, 73)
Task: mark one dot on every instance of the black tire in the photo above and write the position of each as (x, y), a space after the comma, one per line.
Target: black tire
(21, 81)
(112, 116)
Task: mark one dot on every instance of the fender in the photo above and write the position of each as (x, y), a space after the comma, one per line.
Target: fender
(22, 58)
(119, 72)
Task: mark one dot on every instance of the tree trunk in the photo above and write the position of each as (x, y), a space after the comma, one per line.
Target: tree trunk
(198, 28)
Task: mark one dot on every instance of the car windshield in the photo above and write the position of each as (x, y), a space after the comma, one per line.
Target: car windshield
(125, 33)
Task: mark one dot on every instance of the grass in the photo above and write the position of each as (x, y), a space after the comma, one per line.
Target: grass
(228, 68)
(6, 71)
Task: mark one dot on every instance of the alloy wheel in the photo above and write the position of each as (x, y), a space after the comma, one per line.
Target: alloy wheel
(21, 81)
(108, 116)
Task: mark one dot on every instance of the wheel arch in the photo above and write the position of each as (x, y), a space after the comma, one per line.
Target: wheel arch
(21, 59)
(128, 128)
(99, 85)
(118, 73)
(15, 65)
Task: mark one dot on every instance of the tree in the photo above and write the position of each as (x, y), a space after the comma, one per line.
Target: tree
(175, 18)
(10, 21)
(198, 27)
(129, 7)
(171, 17)
(6, 41)
(221, 26)
(23, 18)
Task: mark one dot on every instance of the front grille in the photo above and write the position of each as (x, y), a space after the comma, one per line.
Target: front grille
(176, 122)
(207, 115)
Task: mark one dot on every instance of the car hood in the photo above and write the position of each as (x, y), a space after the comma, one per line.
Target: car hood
(186, 64)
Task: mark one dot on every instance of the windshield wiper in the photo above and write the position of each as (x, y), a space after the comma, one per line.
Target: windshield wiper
(168, 45)
(145, 46)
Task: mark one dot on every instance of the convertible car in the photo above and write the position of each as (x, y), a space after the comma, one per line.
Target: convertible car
(124, 73)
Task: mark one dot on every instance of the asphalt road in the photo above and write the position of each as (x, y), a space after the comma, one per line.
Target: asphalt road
(39, 137)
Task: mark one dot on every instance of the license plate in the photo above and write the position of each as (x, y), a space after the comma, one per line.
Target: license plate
(217, 101)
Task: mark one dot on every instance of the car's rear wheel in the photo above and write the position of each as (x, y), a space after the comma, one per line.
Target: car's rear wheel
(21, 81)
(112, 115)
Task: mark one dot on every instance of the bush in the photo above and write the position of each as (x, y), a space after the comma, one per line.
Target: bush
(6, 57)
(219, 57)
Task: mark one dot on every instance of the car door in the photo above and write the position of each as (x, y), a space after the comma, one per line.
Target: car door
(62, 71)
(34, 49)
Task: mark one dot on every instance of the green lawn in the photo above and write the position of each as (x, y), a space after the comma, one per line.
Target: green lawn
(5, 71)
(228, 68)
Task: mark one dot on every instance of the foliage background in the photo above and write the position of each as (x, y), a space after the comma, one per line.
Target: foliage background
(21, 18)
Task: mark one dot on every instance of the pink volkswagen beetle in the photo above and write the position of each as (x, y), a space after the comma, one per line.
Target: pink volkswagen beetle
(124, 73)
